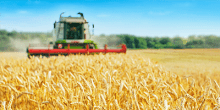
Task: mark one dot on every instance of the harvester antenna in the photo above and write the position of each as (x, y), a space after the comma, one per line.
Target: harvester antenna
(93, 29)
(61, 15)
(81, 14)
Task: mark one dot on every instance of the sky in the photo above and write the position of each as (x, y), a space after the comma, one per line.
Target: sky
(136, 17)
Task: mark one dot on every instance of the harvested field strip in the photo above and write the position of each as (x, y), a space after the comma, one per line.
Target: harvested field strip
(185, 61)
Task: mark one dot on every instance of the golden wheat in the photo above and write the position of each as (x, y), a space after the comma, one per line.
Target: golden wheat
(111, 81)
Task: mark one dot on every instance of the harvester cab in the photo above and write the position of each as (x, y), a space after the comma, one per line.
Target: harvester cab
(71, 37)
(73, 31)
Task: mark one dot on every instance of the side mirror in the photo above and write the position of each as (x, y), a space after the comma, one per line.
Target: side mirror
(51, 42)
(93, 29)
(55, 24)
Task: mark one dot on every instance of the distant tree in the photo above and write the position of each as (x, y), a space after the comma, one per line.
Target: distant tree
(165, 40)
(212, 41)
(150, 42)
(12, 34)
(140, 43)
(195, 44)
(168, 45)
(143, 43)
(159, 46)
(198, 42)
(3, 32)
(191, 37)
(178, 43)
(156, 40)
(136, 42)
(130, 41)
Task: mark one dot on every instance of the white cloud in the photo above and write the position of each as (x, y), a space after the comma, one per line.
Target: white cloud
(103, 15)
(159, 13)
(22, 12)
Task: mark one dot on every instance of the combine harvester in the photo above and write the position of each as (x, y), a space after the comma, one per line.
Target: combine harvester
(71, 37)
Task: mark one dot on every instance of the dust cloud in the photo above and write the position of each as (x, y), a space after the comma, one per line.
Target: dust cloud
(21, 45)
(112, 41)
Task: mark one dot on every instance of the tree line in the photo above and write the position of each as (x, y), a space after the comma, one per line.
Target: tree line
(177, 42)
(132, 41)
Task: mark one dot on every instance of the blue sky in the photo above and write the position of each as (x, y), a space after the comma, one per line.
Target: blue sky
(136, 17)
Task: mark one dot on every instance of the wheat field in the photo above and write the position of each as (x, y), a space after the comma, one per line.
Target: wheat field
(111, 81)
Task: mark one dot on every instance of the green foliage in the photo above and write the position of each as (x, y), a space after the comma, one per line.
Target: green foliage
(150, 42)
(166, 42)
(12, 34)
(129, 41)
(191, 37)
(195, 43)
(140, 43)
(159, 46)
(203, 42)
(156, 40)
(212, 41)
(178, 43)
(3, 32)
(168, 45)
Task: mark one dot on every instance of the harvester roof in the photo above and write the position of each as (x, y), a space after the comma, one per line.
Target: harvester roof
(73, 19)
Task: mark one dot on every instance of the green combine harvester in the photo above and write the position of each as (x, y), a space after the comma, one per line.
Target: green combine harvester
(71, 36)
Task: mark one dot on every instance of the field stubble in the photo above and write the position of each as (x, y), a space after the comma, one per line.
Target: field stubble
(185, 61)
(102, 82)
